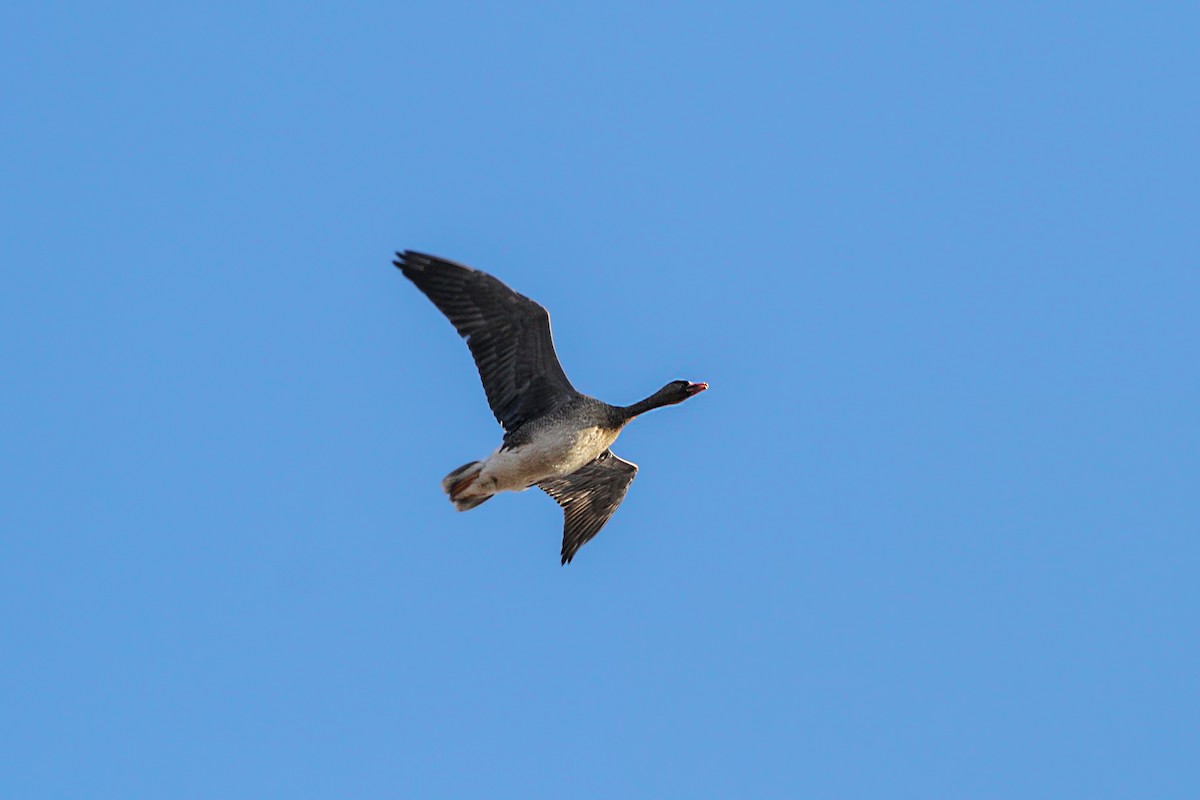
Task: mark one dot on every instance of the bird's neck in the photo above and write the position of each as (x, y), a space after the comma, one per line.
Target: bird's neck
(656, 400)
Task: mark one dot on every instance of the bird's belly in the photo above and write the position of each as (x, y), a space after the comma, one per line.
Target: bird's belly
(548, 456)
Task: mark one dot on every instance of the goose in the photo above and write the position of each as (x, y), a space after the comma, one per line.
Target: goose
(555, 437)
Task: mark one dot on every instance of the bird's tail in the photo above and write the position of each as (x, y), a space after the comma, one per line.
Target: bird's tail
(461, 487)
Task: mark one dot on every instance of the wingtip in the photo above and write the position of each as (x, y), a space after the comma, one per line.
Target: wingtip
(408, 261)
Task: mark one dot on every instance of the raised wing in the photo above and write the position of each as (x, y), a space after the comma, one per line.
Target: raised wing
(509, 336)
(589, 497)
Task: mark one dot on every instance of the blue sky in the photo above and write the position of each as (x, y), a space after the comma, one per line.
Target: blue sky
(932, 532)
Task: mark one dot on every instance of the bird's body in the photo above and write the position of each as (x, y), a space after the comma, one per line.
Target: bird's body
(555, 449)
(555, 437)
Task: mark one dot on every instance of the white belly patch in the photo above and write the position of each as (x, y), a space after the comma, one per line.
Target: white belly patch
(550, 455)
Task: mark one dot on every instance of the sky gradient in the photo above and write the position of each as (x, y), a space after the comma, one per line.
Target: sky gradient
(932, 532)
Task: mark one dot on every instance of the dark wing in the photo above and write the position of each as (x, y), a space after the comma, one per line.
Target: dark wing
(509, 336)
(588, 497)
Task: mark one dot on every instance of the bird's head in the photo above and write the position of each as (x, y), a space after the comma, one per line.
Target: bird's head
(678, 391)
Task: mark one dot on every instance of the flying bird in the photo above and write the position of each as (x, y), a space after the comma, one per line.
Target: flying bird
(555, 437)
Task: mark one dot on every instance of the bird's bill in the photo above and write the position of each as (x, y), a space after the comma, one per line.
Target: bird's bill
(696, 388)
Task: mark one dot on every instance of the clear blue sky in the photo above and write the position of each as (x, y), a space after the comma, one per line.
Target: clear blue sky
(931, 534)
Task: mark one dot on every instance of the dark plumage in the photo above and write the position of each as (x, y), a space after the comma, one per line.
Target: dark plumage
(589, 496)
(555, 437)
(509, 336)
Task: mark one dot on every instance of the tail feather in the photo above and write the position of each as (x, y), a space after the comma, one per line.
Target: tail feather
(460, 482)
(458, 474)
(467, 503)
